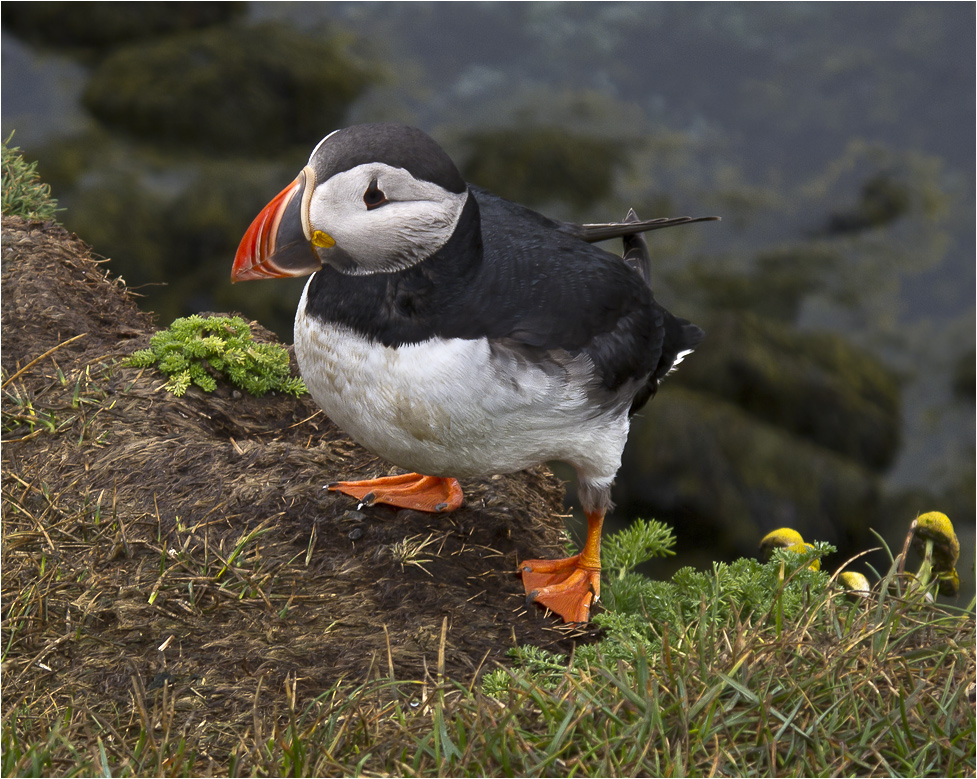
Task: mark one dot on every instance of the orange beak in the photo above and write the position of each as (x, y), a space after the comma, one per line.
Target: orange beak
(276, 245)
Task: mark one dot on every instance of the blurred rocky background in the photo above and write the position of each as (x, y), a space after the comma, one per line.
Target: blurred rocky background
(836, 389)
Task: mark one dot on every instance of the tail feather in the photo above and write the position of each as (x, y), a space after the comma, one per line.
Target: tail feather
(602, 232)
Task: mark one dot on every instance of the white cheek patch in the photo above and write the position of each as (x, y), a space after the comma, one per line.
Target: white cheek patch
(417, 220)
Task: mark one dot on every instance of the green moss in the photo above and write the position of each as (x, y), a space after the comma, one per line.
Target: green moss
(91, 27)
(173, 243)
(814, 385)
(231, 89)
(774, 288)
(540, 165)
(697, 456)
(884, 199)
(195, 350)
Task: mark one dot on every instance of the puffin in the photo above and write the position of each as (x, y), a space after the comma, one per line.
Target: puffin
(458, 334)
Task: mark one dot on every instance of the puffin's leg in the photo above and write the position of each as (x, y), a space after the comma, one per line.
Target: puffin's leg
(571, 585)
(407, 491)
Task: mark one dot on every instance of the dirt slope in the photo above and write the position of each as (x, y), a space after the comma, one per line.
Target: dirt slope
(127, 560)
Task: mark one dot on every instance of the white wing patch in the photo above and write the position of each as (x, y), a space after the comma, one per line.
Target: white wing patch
(678, 358)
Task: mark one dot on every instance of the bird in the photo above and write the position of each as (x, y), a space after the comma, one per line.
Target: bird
(455, 333)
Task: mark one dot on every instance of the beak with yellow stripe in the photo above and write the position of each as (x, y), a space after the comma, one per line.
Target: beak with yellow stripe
(280, 241)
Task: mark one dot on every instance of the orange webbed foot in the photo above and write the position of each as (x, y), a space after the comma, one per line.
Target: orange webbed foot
(563, 586)
(569, 586)
(433, 494)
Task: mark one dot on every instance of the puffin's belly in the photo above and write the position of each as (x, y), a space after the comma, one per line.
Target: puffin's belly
(450, 407)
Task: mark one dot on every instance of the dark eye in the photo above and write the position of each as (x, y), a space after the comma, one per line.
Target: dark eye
(374, 197)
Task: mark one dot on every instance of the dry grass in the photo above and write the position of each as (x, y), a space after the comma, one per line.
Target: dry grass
(883, 687)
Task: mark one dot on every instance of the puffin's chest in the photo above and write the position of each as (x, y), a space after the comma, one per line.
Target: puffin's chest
(435, 406)
(362, 384)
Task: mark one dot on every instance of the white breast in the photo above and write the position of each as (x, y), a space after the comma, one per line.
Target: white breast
(457, 407)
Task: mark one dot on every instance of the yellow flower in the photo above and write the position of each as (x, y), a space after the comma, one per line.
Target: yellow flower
(854, 583)
(783, 538)
(934, 536)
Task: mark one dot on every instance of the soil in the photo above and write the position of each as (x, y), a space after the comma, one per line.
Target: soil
(150, 540)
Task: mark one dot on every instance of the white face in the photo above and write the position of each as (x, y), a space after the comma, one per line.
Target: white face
(382, 217)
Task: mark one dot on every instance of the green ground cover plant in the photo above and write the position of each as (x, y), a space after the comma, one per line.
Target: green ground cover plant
(23, 193)
(197, 350)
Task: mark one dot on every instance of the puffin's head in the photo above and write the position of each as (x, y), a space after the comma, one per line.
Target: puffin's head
(374, 198)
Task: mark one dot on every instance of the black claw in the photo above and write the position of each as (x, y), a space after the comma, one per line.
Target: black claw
(441, 507)
(531, 597)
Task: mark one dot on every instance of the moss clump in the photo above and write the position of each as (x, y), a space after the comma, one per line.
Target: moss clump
(231, 90)
(23, 192)
(194, 349)
(83, 28)
(815, 385)
(884, 200)
(540, 165)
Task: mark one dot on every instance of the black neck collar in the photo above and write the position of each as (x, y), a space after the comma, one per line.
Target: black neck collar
(410, 305)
